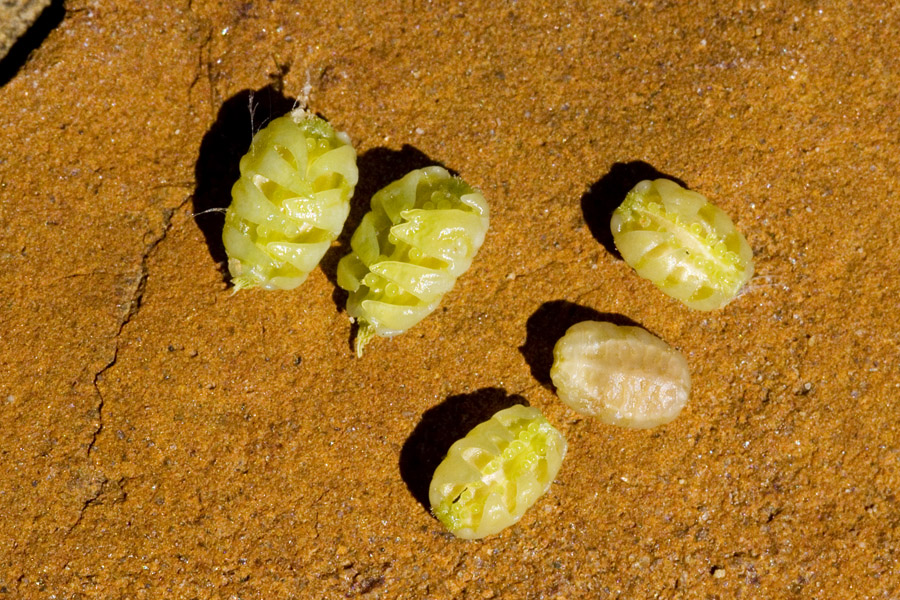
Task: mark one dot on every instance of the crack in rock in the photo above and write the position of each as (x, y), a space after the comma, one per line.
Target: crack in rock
(132, 308)
(107, 491)
(87, 502)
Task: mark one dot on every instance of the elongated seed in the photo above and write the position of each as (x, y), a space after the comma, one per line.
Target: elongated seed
(408, 251)
(622, 375)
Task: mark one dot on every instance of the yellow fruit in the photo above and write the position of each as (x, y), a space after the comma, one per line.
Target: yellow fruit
(685, 245)
(290, 202)
(496, 473)
(421, 234)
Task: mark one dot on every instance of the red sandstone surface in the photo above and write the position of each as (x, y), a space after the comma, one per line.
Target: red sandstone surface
(163, 438)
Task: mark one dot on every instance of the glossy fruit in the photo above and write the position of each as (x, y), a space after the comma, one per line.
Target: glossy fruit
(686, 246)
(421, 234)
(290, 202)
(494, 474)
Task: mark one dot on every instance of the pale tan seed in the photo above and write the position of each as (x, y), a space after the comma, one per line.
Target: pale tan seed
(622, 375)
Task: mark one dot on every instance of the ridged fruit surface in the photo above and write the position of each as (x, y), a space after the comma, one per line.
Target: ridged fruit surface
(290, 202)
(688, 247)
(422, 233)
(496, 473)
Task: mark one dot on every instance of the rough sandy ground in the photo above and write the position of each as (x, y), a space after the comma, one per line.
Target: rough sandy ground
(161, 438)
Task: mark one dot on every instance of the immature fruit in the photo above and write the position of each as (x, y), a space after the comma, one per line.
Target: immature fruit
(494, 474)
(686, 246)
(290, 202)
(622, 375)
(421, 234)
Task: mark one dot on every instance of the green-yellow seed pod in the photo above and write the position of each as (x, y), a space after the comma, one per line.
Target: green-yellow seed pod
(420, 236)
(685, 245)
(496, 473)
(290, 202)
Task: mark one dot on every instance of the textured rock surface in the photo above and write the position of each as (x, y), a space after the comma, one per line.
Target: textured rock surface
(15, 18)
(163, 438)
